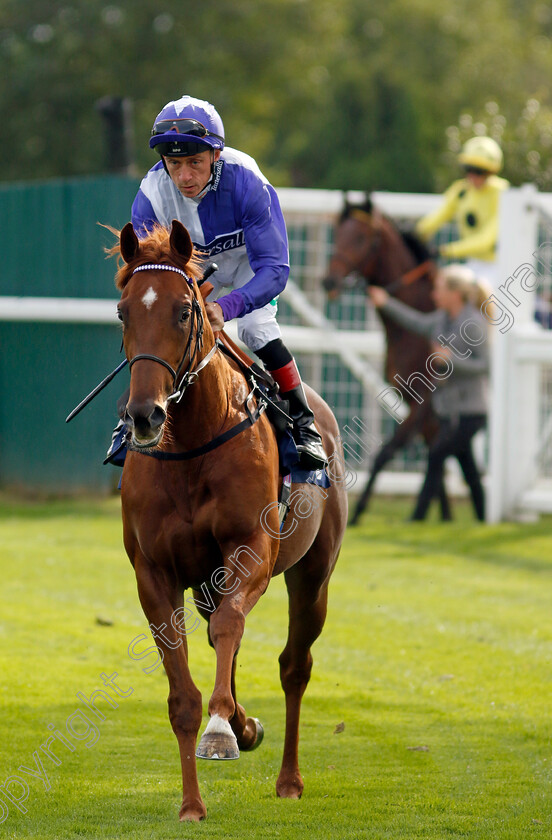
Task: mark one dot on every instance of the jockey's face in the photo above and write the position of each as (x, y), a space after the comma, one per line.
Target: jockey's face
(191, 174)
(477, 179)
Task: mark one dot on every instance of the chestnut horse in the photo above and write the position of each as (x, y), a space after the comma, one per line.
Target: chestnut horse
(200, 506)
(368, 243)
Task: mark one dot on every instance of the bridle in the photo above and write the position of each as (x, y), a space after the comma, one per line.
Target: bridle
(183, 371)
(184, 376)
(363, 266)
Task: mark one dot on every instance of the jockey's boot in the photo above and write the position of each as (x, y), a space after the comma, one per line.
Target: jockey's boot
(305, 434)
(117, 449)
(282, 367)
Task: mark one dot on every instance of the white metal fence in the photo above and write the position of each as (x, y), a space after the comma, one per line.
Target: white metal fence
(340, 345)
(520, 464)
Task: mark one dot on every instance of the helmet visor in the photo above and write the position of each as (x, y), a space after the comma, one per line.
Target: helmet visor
(181, 149)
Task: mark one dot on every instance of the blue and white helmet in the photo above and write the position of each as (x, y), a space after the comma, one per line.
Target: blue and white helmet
(186, 127)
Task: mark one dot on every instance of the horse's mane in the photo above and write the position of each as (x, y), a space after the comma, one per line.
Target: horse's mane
(154, 248)
(419, 250)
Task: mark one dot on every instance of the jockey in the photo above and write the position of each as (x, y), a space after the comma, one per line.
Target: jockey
(233, 216)
(473, 201)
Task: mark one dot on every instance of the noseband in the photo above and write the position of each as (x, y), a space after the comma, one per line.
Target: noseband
(188, 376)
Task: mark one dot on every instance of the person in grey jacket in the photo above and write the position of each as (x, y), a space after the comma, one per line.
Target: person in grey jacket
(455, 377)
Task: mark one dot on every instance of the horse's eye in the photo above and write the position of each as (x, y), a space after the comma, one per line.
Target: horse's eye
(184, 315)
(119, 315)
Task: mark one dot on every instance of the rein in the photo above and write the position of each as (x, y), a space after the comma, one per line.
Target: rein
(250, 420)
(411, 276)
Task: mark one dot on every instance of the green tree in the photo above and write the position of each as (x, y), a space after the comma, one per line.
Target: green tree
(352, 94)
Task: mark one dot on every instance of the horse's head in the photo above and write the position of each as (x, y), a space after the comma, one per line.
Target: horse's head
(163, 319)
(357, 245)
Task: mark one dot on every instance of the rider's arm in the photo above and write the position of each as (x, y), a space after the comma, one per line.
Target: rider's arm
(422, 323)
(477, 245)
(431, 223)
(267, 247)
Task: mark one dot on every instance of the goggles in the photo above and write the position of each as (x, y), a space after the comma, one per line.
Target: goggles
(475, 170)
(193, 128)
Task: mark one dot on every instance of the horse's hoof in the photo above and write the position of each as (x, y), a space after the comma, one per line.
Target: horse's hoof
(290, 789)
(218, 741)
(258, 738)
(194, 813)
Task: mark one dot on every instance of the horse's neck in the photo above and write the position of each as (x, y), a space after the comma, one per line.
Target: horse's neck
(396, 261)
(395, 257)
(208, 403)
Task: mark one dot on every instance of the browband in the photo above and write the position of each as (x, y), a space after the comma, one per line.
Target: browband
(162, 267)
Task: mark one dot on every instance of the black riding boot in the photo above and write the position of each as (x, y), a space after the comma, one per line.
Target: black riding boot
(280, 363)
(307, 439)
(117, 448)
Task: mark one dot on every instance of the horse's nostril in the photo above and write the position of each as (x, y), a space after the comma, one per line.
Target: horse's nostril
(145, 419)
(157, 417)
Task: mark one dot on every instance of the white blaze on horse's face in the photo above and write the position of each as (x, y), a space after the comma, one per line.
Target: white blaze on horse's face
(149, 298)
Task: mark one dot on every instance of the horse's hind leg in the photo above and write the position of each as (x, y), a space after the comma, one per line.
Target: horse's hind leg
(307, 613)
(384, 455)
(248, 731)
(401, 436)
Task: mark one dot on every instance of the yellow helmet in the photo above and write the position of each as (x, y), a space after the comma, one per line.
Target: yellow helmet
(482, 153)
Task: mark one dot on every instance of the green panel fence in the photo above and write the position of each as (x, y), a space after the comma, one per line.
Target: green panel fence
(52, 242)
(53, 247)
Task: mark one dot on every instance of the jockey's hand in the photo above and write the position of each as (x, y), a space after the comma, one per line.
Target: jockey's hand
(214, 313)
(441, 350)
(331, 286)
(378, 296)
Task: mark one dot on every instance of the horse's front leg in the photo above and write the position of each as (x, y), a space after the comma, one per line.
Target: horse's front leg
(249, 731)
(161, 603)
(248, 573)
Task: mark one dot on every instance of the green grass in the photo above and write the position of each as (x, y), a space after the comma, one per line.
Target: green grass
(436, 656)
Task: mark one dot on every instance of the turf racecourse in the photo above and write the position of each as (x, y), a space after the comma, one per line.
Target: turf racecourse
(436, 660)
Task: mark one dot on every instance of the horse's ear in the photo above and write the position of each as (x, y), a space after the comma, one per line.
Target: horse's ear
(368, 205)
(180, 240)
(346, 207)
(128, 243)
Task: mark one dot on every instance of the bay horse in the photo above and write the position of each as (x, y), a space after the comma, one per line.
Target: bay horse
(368, 243)
(199, 492)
